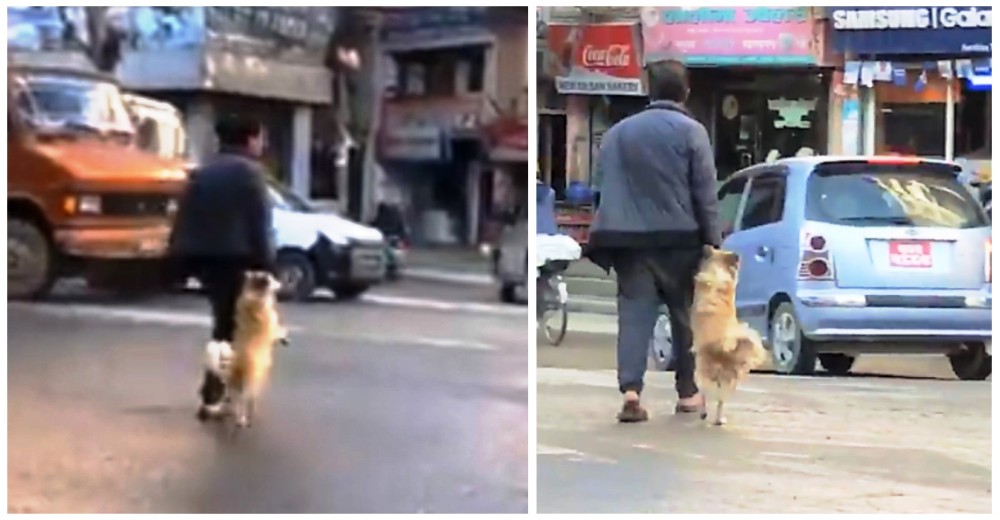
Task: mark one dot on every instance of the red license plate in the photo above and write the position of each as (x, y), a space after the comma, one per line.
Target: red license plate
(910, 253)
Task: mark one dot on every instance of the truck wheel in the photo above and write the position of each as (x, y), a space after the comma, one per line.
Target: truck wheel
(791, 352)
(30, 261)
(349, 291)
(837, 364)
(972, 363)
(296, 275)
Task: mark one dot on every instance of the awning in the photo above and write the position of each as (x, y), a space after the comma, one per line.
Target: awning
(981, 78)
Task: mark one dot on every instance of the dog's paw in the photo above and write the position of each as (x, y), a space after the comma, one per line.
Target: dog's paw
(243, 421)
(720, 421)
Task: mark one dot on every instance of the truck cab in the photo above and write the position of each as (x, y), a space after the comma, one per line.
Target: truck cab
(82, 197)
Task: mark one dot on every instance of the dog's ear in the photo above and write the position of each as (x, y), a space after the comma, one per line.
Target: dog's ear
(732, 261)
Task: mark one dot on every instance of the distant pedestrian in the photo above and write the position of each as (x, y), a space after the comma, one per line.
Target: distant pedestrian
(222, 230)
(658, 208)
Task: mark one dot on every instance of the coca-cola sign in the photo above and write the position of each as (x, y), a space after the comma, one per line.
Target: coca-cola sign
(595, 59)
(611, 56)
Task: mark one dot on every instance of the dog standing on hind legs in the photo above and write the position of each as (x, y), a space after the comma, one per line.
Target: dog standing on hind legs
(258, 329)
(725, 350)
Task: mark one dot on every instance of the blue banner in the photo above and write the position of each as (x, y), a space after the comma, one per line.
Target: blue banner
(912, 30)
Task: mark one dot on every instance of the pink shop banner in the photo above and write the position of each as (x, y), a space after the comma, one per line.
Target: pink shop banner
(730, 35)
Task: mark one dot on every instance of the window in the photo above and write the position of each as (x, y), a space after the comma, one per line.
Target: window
(441, 72)
(765, 202)
(863, 195)
(729, 203)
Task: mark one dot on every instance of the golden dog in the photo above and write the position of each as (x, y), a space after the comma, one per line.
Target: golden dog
(725, 350)
(258, 329)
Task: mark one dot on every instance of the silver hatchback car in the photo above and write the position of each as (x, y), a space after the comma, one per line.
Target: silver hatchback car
(841, 256)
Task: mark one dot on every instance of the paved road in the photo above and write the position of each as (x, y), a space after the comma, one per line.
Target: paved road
(404, 402)
(918, 441)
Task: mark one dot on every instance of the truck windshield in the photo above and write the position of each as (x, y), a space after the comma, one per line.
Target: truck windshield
(55, 104)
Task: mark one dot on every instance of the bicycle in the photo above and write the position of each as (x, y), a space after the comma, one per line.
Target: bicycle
(552, 302)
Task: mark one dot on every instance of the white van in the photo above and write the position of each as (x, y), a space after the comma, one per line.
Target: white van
(318, 249)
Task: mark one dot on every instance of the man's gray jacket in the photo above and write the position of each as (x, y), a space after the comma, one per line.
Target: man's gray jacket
(658, 186)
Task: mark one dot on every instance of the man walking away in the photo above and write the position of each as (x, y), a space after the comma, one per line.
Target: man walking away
(222, 230)
(658, 208)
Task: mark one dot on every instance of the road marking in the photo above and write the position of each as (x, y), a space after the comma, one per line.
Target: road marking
(190, 319)
(784, 455)
(574, 377)
(444, 305)
(573, 455)
(434, 275)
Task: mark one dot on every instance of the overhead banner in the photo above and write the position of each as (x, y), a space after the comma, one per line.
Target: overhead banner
(596, 59)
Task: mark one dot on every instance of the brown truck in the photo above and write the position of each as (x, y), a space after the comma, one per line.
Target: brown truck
(82, 199)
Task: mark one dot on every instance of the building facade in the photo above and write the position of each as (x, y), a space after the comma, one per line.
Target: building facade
(760, 81)
(916, 80)
(452, 139)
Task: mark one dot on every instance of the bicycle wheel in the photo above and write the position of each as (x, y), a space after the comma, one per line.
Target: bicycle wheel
(557, 308)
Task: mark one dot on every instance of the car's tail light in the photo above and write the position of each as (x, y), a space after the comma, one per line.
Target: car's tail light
(989, 260)
(815, 262)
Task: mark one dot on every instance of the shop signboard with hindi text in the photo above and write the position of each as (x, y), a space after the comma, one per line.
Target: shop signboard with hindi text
(720, 36)
(595, 59)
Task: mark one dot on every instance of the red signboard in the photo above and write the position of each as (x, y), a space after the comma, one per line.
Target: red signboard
(595, 59)
(509, 140)
(910, 254)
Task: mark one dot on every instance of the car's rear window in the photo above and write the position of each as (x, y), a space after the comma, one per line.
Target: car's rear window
(888, 195)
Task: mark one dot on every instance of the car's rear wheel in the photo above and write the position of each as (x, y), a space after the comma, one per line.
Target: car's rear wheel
(791, 353)
(837, 364)
(972, 363)
(296, 275)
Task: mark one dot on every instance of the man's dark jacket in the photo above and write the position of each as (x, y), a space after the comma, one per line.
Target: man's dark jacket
(658, 185)
(225, 215)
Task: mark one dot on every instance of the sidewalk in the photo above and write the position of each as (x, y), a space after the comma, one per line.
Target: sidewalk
(459, 265)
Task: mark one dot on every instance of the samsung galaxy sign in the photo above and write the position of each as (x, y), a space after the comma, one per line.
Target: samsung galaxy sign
(912, 30)
(913, 18)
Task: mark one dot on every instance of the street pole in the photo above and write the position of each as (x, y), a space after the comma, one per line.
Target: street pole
(949, 117)
(370, 178)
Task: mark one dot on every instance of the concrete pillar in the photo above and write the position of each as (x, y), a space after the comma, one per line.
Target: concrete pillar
(472, 201)
(199, 124)
(301, 147)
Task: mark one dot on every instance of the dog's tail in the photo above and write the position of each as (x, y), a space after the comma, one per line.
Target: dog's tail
(750, 346)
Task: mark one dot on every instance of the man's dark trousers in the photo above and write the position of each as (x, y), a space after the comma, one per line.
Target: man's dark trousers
(648, 278)
(222, 280)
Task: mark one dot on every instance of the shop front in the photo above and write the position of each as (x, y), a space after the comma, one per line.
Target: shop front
(504, 183)
(432, 155)
(756, 78)
(597, 69)
(923, 77)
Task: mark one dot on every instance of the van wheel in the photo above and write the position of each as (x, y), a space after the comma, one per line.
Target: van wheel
(791, 353)
(972, 363)
(837, 364)
(296, 276)
(30, 261)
